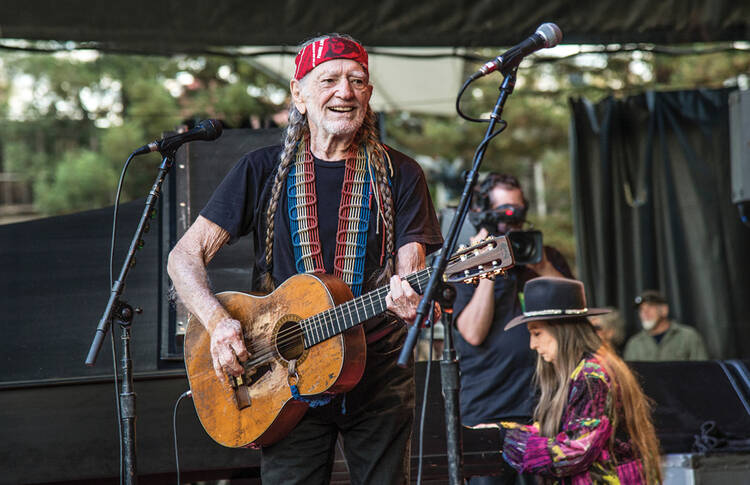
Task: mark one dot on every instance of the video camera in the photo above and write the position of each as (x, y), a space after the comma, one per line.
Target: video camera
(527, 245)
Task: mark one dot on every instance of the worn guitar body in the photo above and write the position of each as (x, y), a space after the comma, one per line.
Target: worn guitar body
(306, 333)
(269, 413)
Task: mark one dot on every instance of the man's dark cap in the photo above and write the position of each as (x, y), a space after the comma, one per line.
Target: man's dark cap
(650, 296)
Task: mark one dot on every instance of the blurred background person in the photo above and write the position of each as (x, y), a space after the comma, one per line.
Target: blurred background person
(610, 327)
(662, 338)
(422, 350)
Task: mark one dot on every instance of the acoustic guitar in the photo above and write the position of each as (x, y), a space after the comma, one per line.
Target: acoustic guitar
(305, 335)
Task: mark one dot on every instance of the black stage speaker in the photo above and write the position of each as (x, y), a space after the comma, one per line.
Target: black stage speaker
(688, 394)
(55, 286)
(55, 281)
(199, 168)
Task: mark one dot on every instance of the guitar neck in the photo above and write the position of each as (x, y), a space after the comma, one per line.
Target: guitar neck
(335, 320)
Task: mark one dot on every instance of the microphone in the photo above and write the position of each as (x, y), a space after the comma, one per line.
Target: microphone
(207, 130)
(546, 35)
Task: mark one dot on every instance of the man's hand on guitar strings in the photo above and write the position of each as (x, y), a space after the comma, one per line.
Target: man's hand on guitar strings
(228, 348)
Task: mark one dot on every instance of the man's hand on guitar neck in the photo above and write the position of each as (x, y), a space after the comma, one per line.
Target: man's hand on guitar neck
(228, 348)
(402, 300)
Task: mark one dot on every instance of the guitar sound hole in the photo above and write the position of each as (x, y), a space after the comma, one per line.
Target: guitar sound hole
(289, 342)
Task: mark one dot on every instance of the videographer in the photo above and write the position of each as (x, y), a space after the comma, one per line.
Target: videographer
(497, 366)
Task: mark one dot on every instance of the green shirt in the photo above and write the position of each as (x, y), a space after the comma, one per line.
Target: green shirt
(679, 342)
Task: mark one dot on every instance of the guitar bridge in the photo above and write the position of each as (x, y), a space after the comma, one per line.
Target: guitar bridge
(241, 384)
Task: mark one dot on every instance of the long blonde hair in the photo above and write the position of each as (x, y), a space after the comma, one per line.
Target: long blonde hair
(575, 338)
(367, 135)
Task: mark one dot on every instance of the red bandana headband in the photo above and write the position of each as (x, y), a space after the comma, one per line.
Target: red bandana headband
(320, 51)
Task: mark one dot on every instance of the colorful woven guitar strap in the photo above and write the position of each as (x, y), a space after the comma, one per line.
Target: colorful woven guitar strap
(353, 223)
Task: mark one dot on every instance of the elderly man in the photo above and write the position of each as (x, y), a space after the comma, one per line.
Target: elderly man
(330, 199)
(662, 338)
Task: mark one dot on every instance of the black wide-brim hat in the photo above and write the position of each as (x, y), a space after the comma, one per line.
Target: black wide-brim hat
(551, 298)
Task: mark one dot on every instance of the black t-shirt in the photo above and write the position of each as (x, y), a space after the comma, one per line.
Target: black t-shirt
(239, 205)
(496, 376)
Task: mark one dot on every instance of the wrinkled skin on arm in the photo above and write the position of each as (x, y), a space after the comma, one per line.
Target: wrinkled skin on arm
(187, 268)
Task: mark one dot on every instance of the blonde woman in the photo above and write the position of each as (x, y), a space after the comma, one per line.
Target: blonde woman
(593, 422)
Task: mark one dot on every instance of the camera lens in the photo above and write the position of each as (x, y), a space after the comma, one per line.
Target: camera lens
(526, 246)
(523, 249)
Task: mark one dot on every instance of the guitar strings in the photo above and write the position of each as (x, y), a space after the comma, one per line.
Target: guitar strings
(316, 324)
(266, 357)
(286, 339)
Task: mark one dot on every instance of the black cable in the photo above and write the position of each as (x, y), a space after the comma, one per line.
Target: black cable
(458, 103)
(114, 218)
(423, 411)
(502, 124)
(111, 284)
(174, 431)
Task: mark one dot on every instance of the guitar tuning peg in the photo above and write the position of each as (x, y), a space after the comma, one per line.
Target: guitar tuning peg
(461, 247)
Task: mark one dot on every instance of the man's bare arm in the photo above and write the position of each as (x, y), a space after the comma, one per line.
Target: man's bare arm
(410, 258)
(475, 321)
(187, 268)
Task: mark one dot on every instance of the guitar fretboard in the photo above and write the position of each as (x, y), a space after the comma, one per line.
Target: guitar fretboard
(335, 320)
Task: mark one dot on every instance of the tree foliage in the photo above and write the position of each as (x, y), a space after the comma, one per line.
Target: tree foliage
(538, 120)
(88, 110)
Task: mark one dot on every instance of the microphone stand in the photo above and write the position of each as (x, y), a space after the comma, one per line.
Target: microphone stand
(122, 312)
(449, 365)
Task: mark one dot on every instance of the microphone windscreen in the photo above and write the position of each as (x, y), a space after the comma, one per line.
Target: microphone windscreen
(551, 33)
(212, 128)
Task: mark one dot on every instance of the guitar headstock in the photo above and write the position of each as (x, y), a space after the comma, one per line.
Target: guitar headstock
(485, 259)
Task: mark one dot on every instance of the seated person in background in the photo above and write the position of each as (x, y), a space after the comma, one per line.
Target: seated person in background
(593, 422)
(662, 338)
(610, 327)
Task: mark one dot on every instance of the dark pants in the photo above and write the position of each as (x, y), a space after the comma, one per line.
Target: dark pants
(375, 422)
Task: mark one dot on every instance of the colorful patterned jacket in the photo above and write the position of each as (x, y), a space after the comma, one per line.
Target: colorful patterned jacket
(580, 453)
